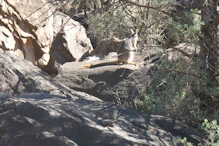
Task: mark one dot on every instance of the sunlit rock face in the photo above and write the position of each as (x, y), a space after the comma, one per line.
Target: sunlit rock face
(30, 28)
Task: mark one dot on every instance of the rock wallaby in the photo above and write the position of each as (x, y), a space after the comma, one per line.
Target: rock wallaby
(125, 53)
(127, 48)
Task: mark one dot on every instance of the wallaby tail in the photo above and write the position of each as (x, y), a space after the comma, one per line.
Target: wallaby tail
(112, 61)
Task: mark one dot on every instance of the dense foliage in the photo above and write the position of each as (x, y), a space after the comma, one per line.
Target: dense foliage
(181, 88)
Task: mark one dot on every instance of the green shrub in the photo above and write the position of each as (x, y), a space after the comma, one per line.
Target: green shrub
(122, 16)
(181, 89)
(212, 129)
(109, 24)
(184, 141)
(171, 89)
(185, 29)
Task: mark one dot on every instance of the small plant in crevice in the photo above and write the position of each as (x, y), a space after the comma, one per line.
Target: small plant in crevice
(184, 141)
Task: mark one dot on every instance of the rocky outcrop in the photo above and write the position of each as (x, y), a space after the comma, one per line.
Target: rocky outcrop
(37, 110)
(120, 83)
(28, 29)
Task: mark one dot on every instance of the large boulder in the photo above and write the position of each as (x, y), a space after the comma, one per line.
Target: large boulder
(96, 81)
(71, 42)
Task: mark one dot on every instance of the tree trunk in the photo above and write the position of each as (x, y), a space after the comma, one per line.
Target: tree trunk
(209, 48)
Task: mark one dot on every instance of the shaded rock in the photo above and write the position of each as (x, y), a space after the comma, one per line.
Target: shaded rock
(94, 80)
(20, 76)
(56, 120)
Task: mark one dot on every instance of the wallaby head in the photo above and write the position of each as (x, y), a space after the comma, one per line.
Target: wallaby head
(134, 33)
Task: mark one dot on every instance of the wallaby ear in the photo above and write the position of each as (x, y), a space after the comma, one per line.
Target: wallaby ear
(132, 31)
(136, 31)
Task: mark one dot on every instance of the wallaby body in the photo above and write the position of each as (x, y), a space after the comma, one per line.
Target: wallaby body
(125, 52)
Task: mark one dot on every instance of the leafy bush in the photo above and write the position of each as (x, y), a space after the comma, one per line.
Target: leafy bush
(212, 128)
(180, 89)
(184, 141)
(122, 16)
(185, 29)
(171, 91)
(109, 24)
